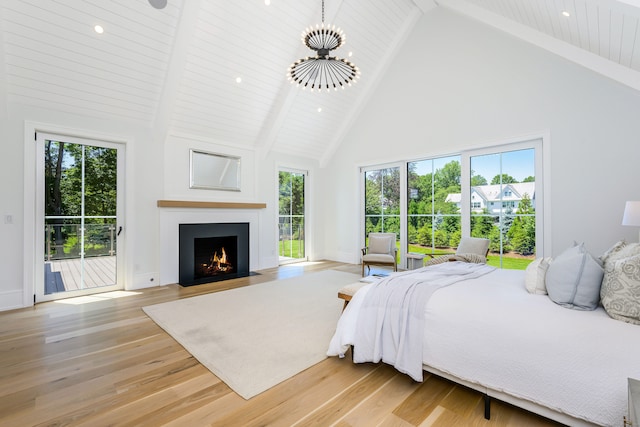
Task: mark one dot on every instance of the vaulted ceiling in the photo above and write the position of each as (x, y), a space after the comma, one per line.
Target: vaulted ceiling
(216, 69)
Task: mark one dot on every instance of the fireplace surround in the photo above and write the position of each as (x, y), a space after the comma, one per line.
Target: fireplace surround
(210, 252)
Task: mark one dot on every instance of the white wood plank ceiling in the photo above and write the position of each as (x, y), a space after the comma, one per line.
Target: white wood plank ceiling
(175, 70)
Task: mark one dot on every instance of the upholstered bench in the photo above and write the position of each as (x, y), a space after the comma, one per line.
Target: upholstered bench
(348, 291)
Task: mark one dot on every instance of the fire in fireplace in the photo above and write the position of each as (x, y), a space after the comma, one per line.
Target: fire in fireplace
(213, 252)
(213, 256)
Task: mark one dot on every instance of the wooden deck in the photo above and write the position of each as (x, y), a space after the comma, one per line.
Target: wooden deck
(66, 275)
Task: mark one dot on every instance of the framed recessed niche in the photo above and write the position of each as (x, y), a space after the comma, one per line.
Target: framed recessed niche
(213, 171)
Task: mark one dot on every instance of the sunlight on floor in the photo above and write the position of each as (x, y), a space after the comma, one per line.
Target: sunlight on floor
(96, 298)
(302, 264)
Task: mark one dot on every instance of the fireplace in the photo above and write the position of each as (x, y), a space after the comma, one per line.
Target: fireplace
(212, 252)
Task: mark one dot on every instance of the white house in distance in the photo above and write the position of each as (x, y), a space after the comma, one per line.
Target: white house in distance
(496, 198)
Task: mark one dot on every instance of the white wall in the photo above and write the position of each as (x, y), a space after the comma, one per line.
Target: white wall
(259, 183)
(458, 84)
(143, 177)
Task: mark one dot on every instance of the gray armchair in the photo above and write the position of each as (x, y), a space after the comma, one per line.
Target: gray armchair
(470, 249)
(380, 251)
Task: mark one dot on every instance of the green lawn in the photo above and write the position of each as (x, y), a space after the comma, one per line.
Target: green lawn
(291, 248)
(291, 251)
(494, 260)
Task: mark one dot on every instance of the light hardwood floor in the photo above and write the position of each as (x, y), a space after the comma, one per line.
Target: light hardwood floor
(105, 362)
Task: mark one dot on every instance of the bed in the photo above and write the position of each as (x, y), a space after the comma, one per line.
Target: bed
(490, 334)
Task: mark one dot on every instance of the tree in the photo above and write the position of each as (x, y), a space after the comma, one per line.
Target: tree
(522, 233)
(503, 179)
(529, 179)
(80, 180)
(382, 200)
(291, 201)
(477, 180)
(54, 154)
(448, 176)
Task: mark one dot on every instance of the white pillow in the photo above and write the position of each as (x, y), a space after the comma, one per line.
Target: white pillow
(574, 278)
(534, 276)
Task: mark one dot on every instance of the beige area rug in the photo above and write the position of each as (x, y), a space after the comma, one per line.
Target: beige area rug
(255, 337)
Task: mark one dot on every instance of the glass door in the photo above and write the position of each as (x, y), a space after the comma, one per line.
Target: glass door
(291, 224)
(79, 201)
(382, 202)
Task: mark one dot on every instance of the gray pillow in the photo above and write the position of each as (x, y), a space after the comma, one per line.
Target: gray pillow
(574, 279)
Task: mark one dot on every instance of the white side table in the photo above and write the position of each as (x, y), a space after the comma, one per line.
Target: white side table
(414, 260)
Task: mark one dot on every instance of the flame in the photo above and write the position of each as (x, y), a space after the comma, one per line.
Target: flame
(219, 260)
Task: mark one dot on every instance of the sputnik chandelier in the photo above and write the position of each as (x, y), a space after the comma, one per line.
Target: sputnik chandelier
(323, 71)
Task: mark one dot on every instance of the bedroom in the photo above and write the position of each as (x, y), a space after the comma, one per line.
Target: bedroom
(453, 83)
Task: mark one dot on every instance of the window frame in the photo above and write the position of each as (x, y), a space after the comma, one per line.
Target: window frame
(541, 145)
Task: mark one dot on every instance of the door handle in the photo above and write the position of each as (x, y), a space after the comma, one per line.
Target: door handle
(119, 231)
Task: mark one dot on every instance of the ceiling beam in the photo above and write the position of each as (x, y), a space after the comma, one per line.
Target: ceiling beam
(186, 27)
(369, 85)
(426, 5)
(612, 70)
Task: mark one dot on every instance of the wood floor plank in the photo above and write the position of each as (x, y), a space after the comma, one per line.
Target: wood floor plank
(374, 409)
(424, 400)
(101, 361)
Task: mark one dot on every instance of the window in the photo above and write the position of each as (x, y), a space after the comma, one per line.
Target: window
(291, 216)
(462, 195)
(433, 217)
(509, 224)
(382, 200)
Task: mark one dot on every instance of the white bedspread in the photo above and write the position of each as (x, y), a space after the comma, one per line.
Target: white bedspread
(491, 332)
(390, 324)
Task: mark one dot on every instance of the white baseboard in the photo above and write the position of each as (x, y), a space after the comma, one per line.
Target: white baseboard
(347, 257)
(10, 300)
(145, 280)
(269, 262)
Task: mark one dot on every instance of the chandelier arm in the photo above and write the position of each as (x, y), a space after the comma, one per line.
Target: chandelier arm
(307, 68)
(340, 73)
(335, 75)
(307, 71)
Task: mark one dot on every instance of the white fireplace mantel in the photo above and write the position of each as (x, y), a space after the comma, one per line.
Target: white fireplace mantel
(174, 213)
(209, 205)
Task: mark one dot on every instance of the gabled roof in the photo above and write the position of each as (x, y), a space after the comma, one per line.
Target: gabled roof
(496, 193)
(493, 193)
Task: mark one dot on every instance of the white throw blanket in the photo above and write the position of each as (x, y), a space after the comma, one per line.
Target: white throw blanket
(390, 316)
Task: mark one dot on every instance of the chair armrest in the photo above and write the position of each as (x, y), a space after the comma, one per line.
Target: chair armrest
(432, 256)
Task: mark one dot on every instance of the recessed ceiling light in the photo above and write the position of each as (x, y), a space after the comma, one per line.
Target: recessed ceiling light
(98, 29)
(267, 2)
(238, 79)
(565, 13)
(350, 54)
(319, 109)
